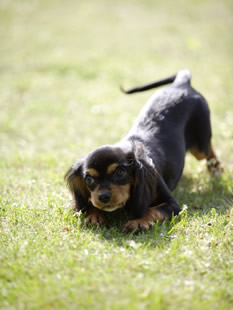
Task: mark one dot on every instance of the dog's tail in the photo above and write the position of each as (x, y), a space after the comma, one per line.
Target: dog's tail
(183, 76)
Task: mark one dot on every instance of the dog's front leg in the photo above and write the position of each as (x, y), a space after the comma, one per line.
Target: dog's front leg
(152, 215)
(159, 213)
(166, 207)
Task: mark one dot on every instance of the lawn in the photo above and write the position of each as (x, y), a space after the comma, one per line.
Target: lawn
(61, 65)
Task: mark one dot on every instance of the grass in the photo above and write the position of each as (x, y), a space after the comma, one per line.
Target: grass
(61, 64)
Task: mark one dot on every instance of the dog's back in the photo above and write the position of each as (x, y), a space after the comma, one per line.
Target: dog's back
(175, 118)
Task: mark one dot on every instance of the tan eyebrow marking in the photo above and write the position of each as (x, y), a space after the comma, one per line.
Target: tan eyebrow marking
(92, 172)
(111, 168)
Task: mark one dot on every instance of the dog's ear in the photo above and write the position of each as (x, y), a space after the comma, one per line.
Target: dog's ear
(143, 191)
(76, 183)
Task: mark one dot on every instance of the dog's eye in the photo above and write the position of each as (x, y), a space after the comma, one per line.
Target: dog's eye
(120, 173)
(89, 180)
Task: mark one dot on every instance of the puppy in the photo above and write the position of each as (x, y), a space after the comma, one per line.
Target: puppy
(140, 172)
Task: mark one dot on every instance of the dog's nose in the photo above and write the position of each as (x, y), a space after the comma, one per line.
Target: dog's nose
(104, 197)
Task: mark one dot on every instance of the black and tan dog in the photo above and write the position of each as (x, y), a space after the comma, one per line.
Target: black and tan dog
(140, 172)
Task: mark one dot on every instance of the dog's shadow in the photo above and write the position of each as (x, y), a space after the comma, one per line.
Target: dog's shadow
(198, 197)
(210, 192)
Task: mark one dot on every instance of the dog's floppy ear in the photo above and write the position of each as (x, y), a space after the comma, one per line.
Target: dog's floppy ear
(76, 183)
(143, 191)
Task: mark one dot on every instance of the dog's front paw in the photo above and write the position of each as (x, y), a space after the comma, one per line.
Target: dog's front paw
(152, 215)
(137, 225)
(96, 219)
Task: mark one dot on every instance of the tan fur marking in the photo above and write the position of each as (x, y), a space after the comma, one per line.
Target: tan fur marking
(211, 153)
(213, 164)
(111, 168)
(152, 215)
(120, 194)
(79, 184)
(196, 153)
(92, 172)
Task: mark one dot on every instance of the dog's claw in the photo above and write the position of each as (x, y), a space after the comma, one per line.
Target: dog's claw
(137, 226)
(97, 220)
(214, 166)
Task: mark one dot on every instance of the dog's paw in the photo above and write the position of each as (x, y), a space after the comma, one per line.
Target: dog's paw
(95, 219)
(214, 166)
(138, 225)
(152, 215)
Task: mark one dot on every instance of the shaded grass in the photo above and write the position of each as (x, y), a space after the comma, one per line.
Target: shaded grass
(61, 66)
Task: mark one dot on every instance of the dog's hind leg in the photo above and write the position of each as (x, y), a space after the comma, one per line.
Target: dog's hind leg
(199, 137)
(213, 164)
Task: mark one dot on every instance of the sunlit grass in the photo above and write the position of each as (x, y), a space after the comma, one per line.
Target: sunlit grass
(61, 66)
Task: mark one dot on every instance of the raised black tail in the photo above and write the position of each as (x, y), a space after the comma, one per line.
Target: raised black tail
(149, 86)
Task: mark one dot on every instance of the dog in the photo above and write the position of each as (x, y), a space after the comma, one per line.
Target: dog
(140, 172)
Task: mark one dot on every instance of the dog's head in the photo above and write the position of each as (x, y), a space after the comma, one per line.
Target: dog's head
(113, 177)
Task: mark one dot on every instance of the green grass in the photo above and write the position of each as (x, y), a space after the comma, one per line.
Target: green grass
(61, 64)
